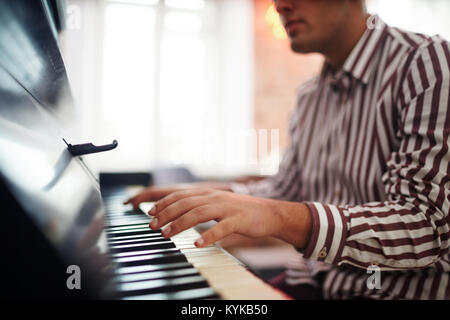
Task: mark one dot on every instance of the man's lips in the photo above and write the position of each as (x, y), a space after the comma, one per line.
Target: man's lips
(292, 24)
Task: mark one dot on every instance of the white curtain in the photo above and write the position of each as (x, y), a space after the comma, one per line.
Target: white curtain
(164, 78)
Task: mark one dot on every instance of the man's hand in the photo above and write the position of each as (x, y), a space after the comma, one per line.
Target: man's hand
(241, 214)
(156, 193)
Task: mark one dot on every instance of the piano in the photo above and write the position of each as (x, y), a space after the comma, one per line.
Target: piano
(57, 217)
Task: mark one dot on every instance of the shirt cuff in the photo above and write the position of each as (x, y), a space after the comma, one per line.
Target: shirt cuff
(329, 232)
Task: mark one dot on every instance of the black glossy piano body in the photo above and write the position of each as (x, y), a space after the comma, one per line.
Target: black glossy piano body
(48, 202)
(52, 210)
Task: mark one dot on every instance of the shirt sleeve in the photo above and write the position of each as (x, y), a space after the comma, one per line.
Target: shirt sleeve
(411, 229)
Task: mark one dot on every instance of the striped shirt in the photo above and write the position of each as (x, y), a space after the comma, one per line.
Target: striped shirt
(369, 155)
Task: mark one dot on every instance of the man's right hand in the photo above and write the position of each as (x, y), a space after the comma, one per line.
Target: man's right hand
(155, 193)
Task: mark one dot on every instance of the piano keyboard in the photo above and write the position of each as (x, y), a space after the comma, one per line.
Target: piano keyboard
(148, 266)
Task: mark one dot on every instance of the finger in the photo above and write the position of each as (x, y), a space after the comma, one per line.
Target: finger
(135, 201)
(219, 231)
(136, 196)
(129, 200)
(176, 209)
(190, 219)
(149, 194)
(173, 197)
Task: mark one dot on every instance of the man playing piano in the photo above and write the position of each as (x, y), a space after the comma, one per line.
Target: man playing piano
(365, 181)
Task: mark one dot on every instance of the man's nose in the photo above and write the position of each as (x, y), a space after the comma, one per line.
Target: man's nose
(283, 6)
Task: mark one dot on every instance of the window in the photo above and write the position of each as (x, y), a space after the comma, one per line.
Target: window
(424, 16)
(128, 79)
(167, 93)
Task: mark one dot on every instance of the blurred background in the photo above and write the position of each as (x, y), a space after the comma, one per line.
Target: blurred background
(199, 84)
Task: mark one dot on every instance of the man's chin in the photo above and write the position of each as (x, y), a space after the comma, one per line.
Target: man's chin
(301, 47)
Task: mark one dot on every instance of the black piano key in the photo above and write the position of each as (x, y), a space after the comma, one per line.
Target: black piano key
(153, 267)
(143, 252)
(164, 274)
(142, 227)
(162, 286)
(116, 218)
(112, 210)
(124, 213)
(150, 240)
(148, 246)
(123, 209)
(122, 223)
(121, 233)
(135, 237)
(190, 294)
(133, 240)
(126, 231)
(161, 258)
(137, 242)
(128, 215)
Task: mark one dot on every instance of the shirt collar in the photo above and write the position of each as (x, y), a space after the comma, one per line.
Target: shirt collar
(361, 62)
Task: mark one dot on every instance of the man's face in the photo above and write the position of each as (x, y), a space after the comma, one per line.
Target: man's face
(312, 25)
